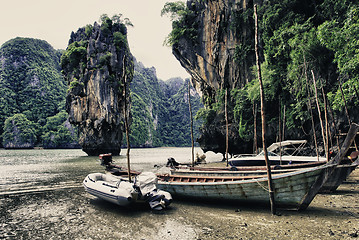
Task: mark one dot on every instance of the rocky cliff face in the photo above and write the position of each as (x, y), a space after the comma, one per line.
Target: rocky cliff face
(212, 59)
(214, 42)
(219, 58)
(98, 66)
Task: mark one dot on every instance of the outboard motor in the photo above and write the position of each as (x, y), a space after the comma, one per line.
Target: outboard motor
(157, 199)
(106, 160)
(171, 162)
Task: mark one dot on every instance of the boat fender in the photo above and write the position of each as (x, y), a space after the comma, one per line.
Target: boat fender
(353, 156)
(277, 167)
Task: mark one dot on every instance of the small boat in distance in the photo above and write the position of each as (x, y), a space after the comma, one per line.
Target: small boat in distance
(289, 150)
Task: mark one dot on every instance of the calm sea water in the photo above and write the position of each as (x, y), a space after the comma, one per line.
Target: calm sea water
(29, 170)
(42, 197)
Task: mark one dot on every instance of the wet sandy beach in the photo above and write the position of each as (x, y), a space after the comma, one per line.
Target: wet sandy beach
(41, 197)
(74, 214)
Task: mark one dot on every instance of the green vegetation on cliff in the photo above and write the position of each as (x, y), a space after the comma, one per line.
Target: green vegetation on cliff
(57, 132)
(160, 111)
(301, 41)
(19, 132)
(183, 23)
(30, 83)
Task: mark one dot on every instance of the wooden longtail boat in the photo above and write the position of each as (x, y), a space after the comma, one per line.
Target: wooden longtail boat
(241, 171)
(294, 189)
(291, 189)
(339, 175)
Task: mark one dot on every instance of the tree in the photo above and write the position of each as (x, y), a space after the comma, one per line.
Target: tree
(183, 24)
(58, 134)
(19, 132)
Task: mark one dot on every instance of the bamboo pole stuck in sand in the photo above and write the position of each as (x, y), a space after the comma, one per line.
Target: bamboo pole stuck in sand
(226, 116)
(269, 174)
(191, 119)
(126, 121)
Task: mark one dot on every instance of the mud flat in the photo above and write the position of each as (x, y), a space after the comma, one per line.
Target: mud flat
(73, 214)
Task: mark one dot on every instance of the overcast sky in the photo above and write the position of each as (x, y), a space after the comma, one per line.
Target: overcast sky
(54, 20)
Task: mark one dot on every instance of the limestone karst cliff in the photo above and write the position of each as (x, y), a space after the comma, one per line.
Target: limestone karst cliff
(219, 57)
(300, 41)
(212, 58)
(98, 66)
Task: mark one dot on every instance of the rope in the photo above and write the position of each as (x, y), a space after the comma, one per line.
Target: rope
(262, 186)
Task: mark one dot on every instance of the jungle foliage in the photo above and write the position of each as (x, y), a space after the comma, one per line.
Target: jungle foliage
(160, 110)
(19, 132)
(183, 23)
(33, 95)
(301, 41)
(31, 84)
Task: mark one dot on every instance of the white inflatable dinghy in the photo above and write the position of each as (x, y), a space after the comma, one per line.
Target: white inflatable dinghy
(109, 188)
(123, 193)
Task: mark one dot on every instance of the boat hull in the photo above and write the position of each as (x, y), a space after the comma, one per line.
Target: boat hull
(290, 189)
(339, 175)
(274, 160)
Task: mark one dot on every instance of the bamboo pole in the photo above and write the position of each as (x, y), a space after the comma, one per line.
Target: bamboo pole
(226, 116)
(191, 120)
(255, 145)
(283, 130)
(126, 121)
(319, 112)
(326, 123)
(309, 106)
(279, 132)
(269, 174)
(346, 109)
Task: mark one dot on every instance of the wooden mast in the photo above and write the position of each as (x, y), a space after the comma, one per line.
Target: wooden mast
(269, 174)
(126, 120)
(255, 145)
(309, 106)
(226, 116)
(320, 114)
(191, 119)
